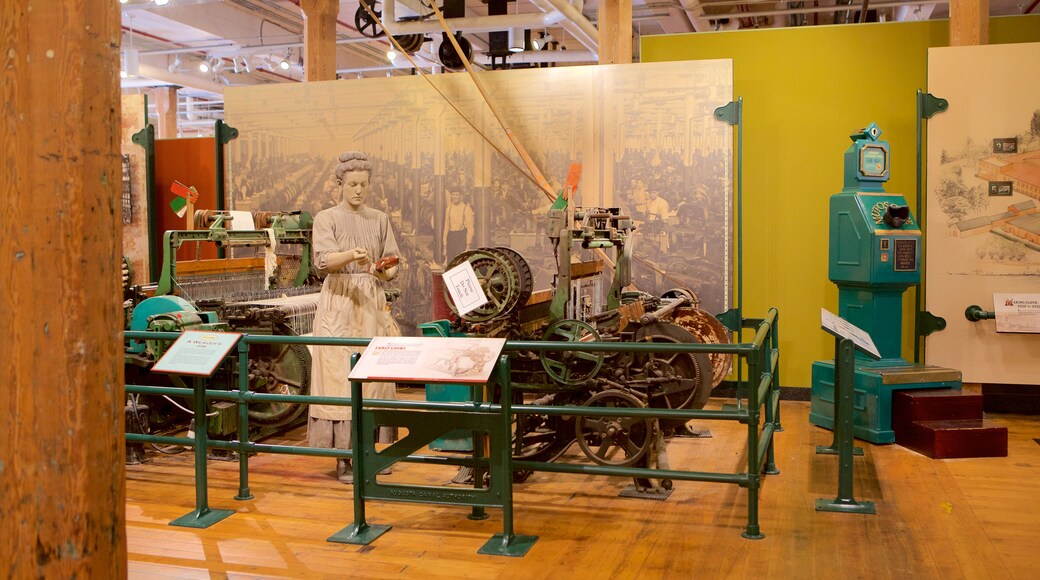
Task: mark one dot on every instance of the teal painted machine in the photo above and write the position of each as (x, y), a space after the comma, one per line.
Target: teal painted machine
(875, 255)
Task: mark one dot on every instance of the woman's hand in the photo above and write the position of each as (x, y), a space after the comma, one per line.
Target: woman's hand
(359, 255)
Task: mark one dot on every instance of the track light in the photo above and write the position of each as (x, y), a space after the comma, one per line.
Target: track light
(245, 64)
(175, 66)
(391, 55)
(204, 66)
(543, 40)
(284, 65)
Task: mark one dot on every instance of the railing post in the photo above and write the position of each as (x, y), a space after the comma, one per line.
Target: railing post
(203, 516)
(360, 531)
(752, 532)
(243, 421)
(844, 367)
(507, 543)
(477, 512)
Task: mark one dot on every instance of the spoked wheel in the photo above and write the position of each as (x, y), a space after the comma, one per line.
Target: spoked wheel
(282, 369)
(678, 380)
(498, 278)
(571, 367)
(365, 23)
(616, 441)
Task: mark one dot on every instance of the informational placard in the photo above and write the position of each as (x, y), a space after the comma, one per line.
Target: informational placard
(1017, 313)
(842, 328)
(428, 359)
(464, 288)
(197, 353)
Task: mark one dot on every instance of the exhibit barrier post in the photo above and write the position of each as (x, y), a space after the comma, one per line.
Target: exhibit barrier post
(203, 516)
(359, 532)
(243, 422)
(844, 369)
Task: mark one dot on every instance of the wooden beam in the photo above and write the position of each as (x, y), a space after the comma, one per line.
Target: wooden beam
(62, 473)
(615, 31)
(166, 108)
(319, 39)
(969, 22)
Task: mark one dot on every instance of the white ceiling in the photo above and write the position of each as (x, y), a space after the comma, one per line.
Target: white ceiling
(249, 39)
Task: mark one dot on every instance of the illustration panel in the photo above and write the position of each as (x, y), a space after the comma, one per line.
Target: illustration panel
(983, 211)
(443, 164)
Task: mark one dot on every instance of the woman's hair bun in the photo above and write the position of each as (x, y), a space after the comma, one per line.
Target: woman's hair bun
(352, 161)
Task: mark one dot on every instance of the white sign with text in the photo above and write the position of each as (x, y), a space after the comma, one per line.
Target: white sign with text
(464, 288)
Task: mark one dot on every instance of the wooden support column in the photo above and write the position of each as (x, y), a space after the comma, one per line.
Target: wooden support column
(969, 22)
(166, 107)
(319, 39)
(615, 31)
(62, 474)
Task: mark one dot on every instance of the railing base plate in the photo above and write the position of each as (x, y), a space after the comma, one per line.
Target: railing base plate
(363, 535)
(203, 519)
(514, 545)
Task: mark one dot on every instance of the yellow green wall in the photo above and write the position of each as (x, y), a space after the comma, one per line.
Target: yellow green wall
(805, 90)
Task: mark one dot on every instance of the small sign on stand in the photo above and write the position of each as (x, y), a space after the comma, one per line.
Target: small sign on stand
(847, 339)
(198, 354)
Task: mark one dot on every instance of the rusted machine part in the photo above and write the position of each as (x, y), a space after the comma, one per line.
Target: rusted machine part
(652, 317)
(673, 367)
(262, 219)
(708, 330)
(204, 218)
(683, 292)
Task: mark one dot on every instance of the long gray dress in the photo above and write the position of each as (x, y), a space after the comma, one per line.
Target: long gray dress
(351, 304)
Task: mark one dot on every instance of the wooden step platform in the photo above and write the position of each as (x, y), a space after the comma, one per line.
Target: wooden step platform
(945, 424)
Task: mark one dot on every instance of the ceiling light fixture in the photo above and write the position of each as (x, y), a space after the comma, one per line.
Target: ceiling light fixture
(391, 55)
(516, 40)
(162, 2)
(284, 65)
(204, 66)
(131, 63)
(543, 40)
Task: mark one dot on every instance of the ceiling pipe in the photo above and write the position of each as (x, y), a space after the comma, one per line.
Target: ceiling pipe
(542, 56)
(164, 77)
(226, 49)
(810, 10)
(574, 21)
(701, 20)
(473, 23)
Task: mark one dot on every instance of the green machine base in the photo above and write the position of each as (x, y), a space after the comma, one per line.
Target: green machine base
(201, 518)
(872, 395)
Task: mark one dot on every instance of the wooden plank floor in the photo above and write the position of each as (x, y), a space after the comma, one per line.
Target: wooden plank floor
(959, 518)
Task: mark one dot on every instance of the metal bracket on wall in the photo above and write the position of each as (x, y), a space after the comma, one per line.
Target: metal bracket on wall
(928, 323)
(223, 134)
(733, 114)
(927, 106)
(146, 139)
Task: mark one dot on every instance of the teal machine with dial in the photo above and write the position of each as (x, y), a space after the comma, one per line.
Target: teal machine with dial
(875, 255)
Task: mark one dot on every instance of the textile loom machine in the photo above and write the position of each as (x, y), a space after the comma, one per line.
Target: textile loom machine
(271, 294)
(601, 379)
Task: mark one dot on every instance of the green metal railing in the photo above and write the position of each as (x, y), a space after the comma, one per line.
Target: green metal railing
(761, 414)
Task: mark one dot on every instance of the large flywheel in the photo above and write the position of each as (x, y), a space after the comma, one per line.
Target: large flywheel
(678, 380)
(616, 441)
(504, 276)
(571, 367)
(282, 369)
